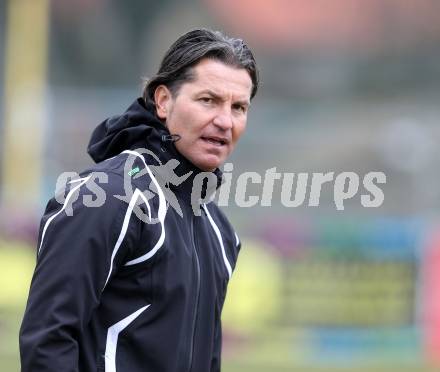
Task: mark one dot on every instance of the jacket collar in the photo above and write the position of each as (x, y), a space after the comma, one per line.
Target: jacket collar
(184, 179)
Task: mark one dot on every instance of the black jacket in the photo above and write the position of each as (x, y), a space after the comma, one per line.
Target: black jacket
(135, 283)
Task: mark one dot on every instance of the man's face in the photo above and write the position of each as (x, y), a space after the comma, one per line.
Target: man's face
(209, 113)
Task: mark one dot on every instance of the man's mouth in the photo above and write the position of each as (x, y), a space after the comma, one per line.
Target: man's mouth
(216, 141)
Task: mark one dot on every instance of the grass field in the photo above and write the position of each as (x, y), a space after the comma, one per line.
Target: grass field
(17, 263)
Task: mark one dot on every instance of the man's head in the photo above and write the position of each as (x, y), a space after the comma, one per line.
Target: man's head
(202, 92)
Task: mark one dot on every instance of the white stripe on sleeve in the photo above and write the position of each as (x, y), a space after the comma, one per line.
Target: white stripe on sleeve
(66, 202)
(112, 339)
(161, 214)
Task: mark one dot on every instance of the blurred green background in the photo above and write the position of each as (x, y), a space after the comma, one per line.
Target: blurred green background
(347, 85)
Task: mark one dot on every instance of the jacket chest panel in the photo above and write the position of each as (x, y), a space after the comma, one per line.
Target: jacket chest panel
(209, 250)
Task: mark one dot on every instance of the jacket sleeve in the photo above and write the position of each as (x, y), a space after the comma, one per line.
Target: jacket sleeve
(79, 249)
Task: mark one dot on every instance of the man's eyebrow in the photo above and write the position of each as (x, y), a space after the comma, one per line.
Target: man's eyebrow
(215, 95)
(244, 102)
(212, 93)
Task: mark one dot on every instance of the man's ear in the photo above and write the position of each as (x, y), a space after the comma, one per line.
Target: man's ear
(163, 98)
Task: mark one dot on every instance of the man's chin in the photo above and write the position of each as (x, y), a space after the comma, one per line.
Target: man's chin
(209, 166)
(204, 160)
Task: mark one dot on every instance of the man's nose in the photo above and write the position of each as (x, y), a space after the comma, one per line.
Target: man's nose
(223, 119)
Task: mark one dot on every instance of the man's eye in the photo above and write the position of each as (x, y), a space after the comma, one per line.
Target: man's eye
(240, 108)
(206, 99)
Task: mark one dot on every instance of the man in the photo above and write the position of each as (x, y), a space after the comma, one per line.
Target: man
(138, 282)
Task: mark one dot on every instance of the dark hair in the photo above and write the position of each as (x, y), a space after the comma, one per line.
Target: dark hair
(189, 49)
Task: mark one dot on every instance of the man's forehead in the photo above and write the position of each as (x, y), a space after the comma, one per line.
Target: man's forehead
(220, 78)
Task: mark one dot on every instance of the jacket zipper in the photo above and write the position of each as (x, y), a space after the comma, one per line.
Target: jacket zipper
(191, 350)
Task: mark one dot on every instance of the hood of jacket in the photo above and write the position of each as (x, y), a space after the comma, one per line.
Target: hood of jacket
(135, 128)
